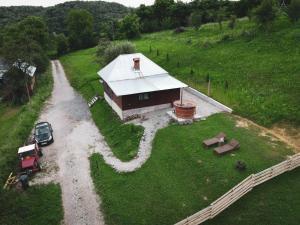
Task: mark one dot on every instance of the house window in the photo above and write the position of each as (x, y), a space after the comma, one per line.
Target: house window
(144, 96)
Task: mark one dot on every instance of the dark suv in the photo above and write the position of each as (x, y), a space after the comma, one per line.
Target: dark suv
(43, 133)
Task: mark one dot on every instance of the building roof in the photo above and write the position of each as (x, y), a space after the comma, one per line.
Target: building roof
(3, 68)
(26, 68)
(124, 80)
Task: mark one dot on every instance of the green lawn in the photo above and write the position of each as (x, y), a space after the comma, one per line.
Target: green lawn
(262, 69)
(276, 202)
(81, 68)
(182, 177)
(40, 204)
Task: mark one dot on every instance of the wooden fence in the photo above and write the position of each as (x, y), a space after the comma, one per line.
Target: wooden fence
(240, 190)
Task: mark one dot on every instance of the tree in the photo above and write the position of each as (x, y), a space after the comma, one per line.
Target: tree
(179, 14)
(35, 29)
(130, 26)
(196, 19)
(14, 88)
(294, 10)
(80, 29)
(62, 45)
(265, 13)
(243, 8)
(114, 50)
(26, 41)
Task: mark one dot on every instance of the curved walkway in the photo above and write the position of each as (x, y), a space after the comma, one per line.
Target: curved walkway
(151, 122)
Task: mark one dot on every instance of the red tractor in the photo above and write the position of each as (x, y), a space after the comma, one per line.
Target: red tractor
(29, 158)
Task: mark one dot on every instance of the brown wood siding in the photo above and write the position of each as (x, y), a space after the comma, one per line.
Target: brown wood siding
(155, 98)
(111, 94)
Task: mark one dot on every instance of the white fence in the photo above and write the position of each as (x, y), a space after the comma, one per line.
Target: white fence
(240, 190)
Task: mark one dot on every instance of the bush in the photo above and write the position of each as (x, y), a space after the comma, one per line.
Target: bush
(114, 50)
(294, 10)
(179, 30)
(102, 46)
(265, 13)
(248, 35)
(226, 37)
(232, 22)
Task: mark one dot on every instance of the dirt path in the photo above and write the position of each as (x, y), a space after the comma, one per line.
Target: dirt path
(289, 136)
(66, 160)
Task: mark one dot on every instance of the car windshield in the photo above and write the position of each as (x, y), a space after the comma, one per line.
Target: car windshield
(26, 154)
(41, 130)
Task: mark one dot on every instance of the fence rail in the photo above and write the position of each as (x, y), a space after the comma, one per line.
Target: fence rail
(240, 190)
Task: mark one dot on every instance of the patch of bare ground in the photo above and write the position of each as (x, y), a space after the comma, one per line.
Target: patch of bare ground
(278, 132)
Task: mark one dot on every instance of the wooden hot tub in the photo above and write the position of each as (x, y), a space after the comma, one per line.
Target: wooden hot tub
(186, 110)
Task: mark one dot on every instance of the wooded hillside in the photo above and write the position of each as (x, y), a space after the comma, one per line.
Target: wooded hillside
(55, 16)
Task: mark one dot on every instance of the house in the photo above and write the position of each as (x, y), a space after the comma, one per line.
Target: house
(133, 85)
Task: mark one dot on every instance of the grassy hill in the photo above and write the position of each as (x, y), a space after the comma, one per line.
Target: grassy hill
(181, 177)
(261, 69)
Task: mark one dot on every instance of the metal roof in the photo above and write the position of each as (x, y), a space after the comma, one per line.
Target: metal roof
(146, 84)
(26, 148)
(26, 68)
(124, 80)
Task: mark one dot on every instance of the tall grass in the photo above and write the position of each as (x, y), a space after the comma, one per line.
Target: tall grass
(254, 72)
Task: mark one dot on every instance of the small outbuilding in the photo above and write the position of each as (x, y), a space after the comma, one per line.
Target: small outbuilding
(133, 84)
(24, 67)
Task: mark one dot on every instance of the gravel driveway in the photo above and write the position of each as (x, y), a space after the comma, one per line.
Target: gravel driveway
(76, 138)
(66, 160)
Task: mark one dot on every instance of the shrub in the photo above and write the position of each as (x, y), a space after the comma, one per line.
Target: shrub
(226, 37)
(179, 30)
(232, 22)
(265, 13)
(207, 44)
(114, 50)
(189, 41)
(196, 19)
(102, 46)
(248, 35)
(294, 10)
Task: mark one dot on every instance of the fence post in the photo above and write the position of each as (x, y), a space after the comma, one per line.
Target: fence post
(290, 163)
(252, 181)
